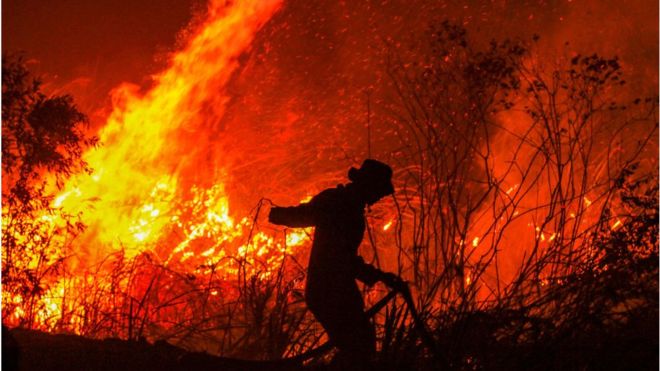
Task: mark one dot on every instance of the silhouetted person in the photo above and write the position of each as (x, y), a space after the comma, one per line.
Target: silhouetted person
(331, 293)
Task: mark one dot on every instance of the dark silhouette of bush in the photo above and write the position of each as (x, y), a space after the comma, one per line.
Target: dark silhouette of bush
(43, 138)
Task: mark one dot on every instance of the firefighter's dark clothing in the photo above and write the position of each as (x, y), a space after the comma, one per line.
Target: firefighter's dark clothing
(331, 293)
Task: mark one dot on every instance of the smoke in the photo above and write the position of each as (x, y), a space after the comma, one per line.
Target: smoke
(88, 48)
(298, 107)
(287, 115)
(297, 115)
(311, 66)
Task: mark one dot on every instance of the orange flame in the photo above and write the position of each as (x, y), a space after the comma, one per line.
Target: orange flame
(154, 188)
(150, 153)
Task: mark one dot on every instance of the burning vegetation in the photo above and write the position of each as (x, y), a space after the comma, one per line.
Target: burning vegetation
(525, 218)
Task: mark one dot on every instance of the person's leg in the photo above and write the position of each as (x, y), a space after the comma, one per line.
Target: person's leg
(342, 316)
(356, 343)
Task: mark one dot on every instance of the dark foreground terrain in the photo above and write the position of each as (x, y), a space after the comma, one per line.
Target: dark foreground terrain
(634, 348)
(34, 350)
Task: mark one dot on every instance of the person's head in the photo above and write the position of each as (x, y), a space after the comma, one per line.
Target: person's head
(373, 180)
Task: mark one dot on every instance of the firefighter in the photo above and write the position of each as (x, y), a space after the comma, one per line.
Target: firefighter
(331, 292)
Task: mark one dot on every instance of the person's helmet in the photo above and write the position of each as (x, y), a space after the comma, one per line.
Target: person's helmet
(373, 175)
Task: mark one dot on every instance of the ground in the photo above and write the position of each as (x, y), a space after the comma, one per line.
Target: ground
(33, 350)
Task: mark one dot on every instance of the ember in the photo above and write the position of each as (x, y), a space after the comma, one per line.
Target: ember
(146, 196)
(526, 177)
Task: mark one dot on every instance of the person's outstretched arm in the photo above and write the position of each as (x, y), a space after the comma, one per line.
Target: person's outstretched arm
(304, 215)
(299, 216)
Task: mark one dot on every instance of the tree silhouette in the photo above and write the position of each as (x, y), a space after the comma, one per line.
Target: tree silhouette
(43, 138)
(526, 193)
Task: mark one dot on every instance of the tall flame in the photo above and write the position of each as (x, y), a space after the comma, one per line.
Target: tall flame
(158, 184)
(153, 151)
(159, 178)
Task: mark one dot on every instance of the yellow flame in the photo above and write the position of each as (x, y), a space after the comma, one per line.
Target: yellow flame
(148, 149)
(147, 188)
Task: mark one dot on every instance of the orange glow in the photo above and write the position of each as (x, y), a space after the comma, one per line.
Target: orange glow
(146, 194)
(140, 169)
(162, 186)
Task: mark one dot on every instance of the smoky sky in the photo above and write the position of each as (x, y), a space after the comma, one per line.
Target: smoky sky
(305, 113)
(296, 108)
(308, 68)
(88, 47)
(106, 42)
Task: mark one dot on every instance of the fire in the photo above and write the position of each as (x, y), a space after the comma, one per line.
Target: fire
(153, 189)
(159, 191)
(150, 149)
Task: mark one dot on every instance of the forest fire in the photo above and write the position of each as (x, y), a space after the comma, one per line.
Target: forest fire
(526, 183)
(144, 150)
(158, 209)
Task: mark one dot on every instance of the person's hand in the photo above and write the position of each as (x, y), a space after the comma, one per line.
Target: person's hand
(393, 281)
